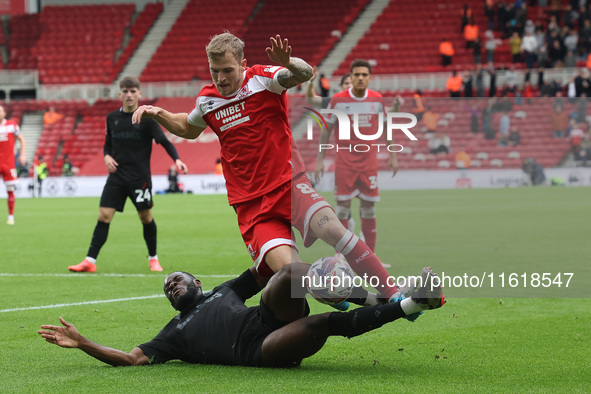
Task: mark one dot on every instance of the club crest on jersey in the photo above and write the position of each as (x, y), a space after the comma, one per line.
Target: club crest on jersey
(243, 92)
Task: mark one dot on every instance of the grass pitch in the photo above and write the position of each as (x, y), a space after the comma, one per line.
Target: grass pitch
(516, 339)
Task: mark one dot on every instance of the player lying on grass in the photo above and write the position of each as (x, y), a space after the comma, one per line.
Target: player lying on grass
(217, 328)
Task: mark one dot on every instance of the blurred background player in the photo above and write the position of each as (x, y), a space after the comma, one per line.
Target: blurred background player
(9, 133)
(356, 173)
(265, 174)
(41, 172)
(127, 150)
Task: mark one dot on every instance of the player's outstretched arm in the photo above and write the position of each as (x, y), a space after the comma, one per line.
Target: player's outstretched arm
(22, 159)
(69, 337)
(177, 124)
(324, 138)
(298, 71)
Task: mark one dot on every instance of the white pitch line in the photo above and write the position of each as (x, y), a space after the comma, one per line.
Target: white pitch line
(7, 274)
(80, 303)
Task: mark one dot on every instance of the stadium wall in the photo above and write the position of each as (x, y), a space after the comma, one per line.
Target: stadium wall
(139, 4)
(92, 186)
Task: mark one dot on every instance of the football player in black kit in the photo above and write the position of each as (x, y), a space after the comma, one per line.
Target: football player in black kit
(216, 327)
(127, 152)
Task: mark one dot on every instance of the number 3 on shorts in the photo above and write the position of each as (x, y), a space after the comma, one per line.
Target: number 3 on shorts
(143, 195)
(373, 182)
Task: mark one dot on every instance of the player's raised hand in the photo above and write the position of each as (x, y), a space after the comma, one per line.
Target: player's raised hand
(111, 164)
(313, 78)
(181, 166)
(144, 111)
(393, 165)
(280, 51)
(318, 170)
(66, 336)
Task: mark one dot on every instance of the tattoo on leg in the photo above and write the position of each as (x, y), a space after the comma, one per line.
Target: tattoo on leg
(322, 221)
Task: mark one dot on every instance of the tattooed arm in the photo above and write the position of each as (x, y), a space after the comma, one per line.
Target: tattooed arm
(298, 71)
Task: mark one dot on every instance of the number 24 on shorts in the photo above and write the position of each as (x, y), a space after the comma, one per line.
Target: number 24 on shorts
(143, 195)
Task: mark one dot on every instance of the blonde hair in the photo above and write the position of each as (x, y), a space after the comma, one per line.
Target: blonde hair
(225, 42)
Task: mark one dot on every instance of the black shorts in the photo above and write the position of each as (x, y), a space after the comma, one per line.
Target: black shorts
(116, 192)
(255, 330)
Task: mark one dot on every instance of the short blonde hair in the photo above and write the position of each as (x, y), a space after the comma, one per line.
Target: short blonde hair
(225, 42)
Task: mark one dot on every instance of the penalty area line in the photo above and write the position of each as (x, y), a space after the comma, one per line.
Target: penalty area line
(81, 303)
(89, 275)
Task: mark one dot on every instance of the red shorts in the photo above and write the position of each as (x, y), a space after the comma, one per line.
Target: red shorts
(265, 222)
(351, 183)
(9, 174)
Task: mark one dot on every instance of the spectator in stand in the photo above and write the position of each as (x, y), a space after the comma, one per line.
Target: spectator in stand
(529, 46)
(430, 120)
(559, 122)
(50, 116)
(515, 45)
(571, 41)
(528, 92)
(571, 90)
(514, 137)
(502, 17)
(582, 108)
(490, 45)
(324, 86)
(468, 79)
(439, 143)
(586, 36)
(582, 154)
(511, 80)
(556, 54)
(492, 92)
(454, 84)
(465, 15)
(471, 32)
(218, 170)
(559, 101)
(489, 11)
(487, 119)
(581, 83)
(576, 136)
(474, 112)
(505, 125)
(418, 103)
(570, 16)
(479, 81)
(463, 159)
(588, 62)
(570, 61)
(446, 49)
(477, 47)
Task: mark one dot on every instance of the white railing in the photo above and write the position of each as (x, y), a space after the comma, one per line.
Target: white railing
(29, 80)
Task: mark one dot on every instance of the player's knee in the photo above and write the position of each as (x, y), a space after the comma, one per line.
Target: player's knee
(343, 212)
(292, 275)
(368, 213)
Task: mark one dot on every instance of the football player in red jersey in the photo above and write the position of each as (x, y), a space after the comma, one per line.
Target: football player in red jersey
(265, 176)
(9, 133)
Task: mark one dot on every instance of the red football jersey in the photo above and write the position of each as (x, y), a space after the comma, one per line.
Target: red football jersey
(8, 131)
(368, 109)
(253, 128)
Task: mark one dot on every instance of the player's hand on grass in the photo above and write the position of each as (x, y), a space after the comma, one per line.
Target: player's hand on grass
(181, 166)
(280, 51)
(111, 164)
(318, 170)
(144, 111)
(66, 336)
